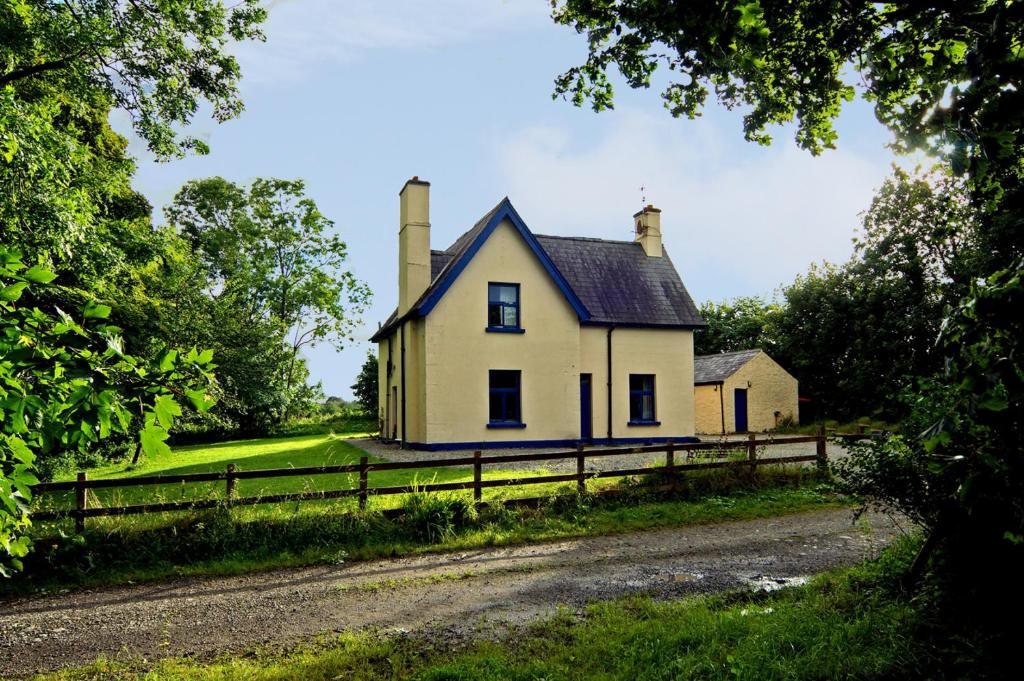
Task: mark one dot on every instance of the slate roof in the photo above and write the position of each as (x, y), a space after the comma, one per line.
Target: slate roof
(438, 260)
(614, 280)
(619, 284)
(717, 368)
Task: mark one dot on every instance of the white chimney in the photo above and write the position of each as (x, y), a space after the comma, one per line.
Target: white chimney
(413, 243)
(648, 230)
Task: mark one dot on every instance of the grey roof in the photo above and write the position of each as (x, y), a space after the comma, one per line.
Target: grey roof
(717, 368)
(438, 261)
(615, 280)
(619, 284)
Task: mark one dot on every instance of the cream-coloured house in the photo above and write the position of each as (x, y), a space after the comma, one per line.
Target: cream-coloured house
(737, 392)
(507, 338)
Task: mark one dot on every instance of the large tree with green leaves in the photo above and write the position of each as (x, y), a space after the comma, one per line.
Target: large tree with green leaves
(67, 201)
(156, 60)
(945, 78)
(743, 323)
(270, 254)
(365, 387)
(66, 383)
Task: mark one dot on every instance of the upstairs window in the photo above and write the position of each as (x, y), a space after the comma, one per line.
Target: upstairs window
(641, 399)
(504, 399)
(503, 307)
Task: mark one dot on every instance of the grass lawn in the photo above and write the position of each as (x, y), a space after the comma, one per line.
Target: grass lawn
(288, 452)
(851, 623)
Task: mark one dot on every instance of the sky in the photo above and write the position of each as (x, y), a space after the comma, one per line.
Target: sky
(357, 96)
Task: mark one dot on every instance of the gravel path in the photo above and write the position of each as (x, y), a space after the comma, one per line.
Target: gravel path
(392, 452)
(454, 595)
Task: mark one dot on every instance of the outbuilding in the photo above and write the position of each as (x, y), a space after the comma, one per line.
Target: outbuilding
(743, 391)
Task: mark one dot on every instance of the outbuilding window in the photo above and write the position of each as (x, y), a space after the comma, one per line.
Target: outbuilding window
(503, 307)
(505, 399)
(641, 400)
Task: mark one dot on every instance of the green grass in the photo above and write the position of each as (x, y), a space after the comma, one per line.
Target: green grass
(851, 623)
(288, 452)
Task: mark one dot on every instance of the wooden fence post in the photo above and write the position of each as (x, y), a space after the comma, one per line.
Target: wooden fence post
(229, 483)
(364, 477)
(581, 481)
(670, 463)
(477, 477)
(820, 450)
(752, 452)
(81, 501)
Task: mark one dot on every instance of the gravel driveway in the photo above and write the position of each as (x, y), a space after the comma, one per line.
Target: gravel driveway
(499, 586)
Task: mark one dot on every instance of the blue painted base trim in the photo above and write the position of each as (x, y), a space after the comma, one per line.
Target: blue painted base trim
(523, 444)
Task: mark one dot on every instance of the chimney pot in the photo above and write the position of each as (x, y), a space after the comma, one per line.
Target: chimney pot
(648, 230)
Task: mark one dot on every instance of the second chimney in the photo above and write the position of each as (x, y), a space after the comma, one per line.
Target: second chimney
(413, 243)
(648, 230)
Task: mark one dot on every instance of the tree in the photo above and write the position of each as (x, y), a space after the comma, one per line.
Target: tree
(945, 78)
(742, 324)
(268, 252)
(157, 61)
(66, 384)
(365, 388)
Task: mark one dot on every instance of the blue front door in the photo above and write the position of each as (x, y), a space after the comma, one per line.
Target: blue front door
(586, 407)
(740, 409)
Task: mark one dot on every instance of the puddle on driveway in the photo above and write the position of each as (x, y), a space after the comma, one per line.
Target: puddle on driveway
(769, 583)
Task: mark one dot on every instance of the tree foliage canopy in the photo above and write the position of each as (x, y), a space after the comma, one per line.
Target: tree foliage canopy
(156, 60)
(270, 261)
(66, 383)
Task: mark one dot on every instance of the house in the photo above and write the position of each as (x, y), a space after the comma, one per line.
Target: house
(513, 339)
(742, 391)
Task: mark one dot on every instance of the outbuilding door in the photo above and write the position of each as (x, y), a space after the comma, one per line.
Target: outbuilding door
(586, 409)
(740, 409)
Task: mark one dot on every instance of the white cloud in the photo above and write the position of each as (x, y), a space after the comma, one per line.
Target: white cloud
(311, 33)
(735, 225)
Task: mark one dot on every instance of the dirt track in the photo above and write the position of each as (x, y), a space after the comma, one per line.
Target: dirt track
(451, 594)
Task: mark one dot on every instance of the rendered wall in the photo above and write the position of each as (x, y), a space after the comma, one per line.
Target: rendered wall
(668, 354)
(459, 352)
(771, 388)
(708, 403)
(415, 384)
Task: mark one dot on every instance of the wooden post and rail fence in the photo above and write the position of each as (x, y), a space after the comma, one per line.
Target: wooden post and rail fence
(231, 475)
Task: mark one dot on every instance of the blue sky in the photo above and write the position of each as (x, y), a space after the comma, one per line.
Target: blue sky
(357, 96)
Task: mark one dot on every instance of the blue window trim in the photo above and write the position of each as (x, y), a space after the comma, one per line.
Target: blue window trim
(516, 392)
(643, 392)
(501, 328)
(504, 211)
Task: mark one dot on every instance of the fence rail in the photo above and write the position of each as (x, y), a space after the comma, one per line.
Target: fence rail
(230, 476)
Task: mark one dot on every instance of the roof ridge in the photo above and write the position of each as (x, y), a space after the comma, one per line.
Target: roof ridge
(585, 238)
(731, 352)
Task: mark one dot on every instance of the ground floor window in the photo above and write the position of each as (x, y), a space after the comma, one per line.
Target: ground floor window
(641, 399)
(505, 399)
